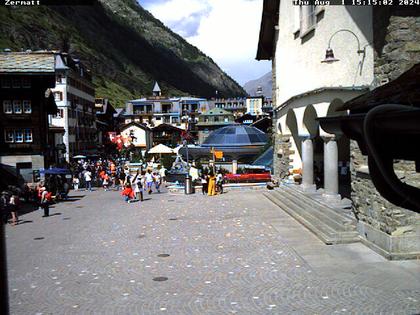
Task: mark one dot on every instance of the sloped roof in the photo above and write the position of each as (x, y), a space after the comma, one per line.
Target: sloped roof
(134, 124)
(166, 127)
(235, 136)
(32, 62)
(161, 149)
(269, 20)
(119, 111)
(59, 63)
(265, 159)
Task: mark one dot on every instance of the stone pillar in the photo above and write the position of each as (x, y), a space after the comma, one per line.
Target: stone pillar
(330, 167)
(308, 165)
(234, 166)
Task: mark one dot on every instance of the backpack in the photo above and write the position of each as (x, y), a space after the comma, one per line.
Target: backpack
(48, 196)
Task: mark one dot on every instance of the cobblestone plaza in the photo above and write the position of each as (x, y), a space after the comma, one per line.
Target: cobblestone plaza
(177, 254)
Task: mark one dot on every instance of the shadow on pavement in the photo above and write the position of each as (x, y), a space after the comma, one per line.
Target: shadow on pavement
(72, 199)
(25, 222)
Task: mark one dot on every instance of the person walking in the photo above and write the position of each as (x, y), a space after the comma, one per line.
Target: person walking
(105, 181)
(88, 179)
(137, 183)
(219, 182)
(149, 181)
(204, 184)
(162, 173)
(76, 183)
(14, 207)
(157, 180)
(212, 184)
(121, 179)
(46, 198)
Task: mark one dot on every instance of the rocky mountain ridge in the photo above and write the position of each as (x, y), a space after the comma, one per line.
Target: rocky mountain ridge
(126, 48)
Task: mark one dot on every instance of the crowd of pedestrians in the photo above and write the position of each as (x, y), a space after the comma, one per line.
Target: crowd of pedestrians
(113, 175)
(106, 174)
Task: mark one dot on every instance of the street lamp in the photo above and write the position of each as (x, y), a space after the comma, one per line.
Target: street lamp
(329, 54)
(188, 179)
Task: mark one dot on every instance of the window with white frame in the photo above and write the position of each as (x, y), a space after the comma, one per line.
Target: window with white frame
(58, 96)
(26, 83)
(18, 135)
(17, 107)
(27, 135)
(7, 107)
(16, 82)
(9, 136)
(307, 18)
(5, 83)
(27, 107)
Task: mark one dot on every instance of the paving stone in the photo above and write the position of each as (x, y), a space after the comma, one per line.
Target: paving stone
(225, 257)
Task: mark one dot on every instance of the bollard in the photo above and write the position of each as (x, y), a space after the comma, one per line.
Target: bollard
(188, 185)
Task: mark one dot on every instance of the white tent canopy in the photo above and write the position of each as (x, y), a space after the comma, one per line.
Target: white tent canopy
(161, 149)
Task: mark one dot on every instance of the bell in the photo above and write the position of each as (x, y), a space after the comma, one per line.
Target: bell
(329, 56)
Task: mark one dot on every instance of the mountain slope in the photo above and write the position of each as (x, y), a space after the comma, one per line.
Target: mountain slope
(265, 82)
(124, 45)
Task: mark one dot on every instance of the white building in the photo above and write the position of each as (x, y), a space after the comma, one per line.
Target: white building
(254, 105)
(138, 135)
(306, 88)
(362, 47)
(156, 110)
(74, 94)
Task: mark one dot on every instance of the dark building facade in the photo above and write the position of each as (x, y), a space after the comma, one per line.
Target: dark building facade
(26, 102)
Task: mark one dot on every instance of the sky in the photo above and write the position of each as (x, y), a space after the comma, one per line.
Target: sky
(225, 30)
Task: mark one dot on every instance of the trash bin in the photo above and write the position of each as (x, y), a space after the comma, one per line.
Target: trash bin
(188, 185)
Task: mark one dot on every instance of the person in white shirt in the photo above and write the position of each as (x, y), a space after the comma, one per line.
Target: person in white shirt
(137, 183)
(88, 180)
(149, 181)
(76, 182)
(162, 173)
(219, 182)
(157, 180)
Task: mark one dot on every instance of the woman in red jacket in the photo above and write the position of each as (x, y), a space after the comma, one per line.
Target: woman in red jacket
(128, 193)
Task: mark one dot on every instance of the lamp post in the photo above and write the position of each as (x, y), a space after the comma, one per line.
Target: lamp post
(188, 179)
(329, 54)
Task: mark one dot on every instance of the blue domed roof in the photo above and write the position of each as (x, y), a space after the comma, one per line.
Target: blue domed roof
(235, 136)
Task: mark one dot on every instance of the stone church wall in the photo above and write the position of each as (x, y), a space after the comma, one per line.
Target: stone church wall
(391, 230)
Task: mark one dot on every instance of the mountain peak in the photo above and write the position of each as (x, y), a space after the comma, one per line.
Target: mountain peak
(263, 84)
(126, 48)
